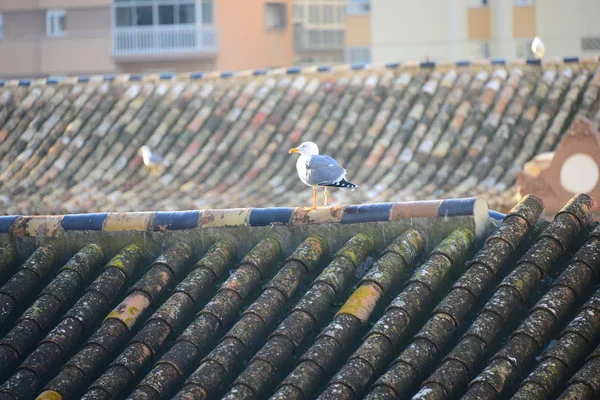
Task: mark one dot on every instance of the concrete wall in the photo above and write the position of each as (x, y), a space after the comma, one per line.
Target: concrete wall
(562, 23)
(409, 30)
(448, 30)
(29, 52)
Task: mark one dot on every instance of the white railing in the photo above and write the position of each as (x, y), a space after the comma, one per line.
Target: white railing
(159, 40)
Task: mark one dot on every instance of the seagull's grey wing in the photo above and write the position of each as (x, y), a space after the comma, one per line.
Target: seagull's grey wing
(324, 169)
(155, 159)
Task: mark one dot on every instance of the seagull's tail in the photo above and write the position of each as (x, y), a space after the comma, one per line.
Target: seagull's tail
(343, 184)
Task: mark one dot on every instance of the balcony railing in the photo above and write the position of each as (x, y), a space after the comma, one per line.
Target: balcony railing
(163, 40)
(318, 39)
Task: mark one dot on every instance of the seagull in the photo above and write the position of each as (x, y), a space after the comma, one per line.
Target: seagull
(537, 47)
(319, 170)
(151, 160)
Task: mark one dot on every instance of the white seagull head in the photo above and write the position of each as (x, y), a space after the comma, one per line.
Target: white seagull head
(306, 149)
(145, 152)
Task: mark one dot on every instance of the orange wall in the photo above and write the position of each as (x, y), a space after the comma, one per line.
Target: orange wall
(358, 30)
(243, 40)
(524, 22)
(479, 23)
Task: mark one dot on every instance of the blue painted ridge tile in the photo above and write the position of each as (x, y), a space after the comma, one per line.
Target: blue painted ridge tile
(427, 64)
(498, 61)
(24, 82)
(83, 222)
(498, 216)
(52, 81)
(226, 74)
(109, 77)
(367, 213)
(323, 68)
(135, 77)
(83, 79)
(463, 63)
(392, 65)
(456, 207)
(6, 222)
(568, 60)
(268, 216)
(1, 82)
(358, 66)
(166, 76)
(196, 75)
(175, 220)
(534, 62)
(258, 72)
(293, 70)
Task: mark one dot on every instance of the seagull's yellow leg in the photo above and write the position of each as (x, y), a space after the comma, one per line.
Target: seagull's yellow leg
(325, 197)
(314, 198)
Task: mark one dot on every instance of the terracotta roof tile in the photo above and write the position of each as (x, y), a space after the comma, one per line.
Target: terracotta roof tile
(410, 132)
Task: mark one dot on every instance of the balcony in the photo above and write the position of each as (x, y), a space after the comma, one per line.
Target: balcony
(318, 39)
(148, 41)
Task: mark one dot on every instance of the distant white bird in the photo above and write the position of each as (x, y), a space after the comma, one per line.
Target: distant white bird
(538, 48)
(151, 160)
(319, 170)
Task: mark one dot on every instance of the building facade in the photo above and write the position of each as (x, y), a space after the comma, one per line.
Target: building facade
(450, 30)
(66, 37)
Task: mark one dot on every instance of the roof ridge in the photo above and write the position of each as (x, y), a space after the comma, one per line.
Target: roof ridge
(293, 70)
(56, 225)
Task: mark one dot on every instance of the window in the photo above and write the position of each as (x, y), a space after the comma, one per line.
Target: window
(485, 50)
(484, 3)
(298, 11)
(523, 2)
(590, 43)
(328, 14)
(208, 12)
(275, 16)
(313, 15)
(358, 55)
(160, 12)
(479, 50)
(56, 23)
(1, 26)
(524, 49)
(358, 7)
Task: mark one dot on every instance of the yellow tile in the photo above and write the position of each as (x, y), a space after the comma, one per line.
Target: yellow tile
(320, 215)
(131, 221)
(130, 309)
(45, 225)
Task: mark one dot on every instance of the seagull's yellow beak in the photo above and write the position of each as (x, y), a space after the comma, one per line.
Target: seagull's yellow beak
(294, 150)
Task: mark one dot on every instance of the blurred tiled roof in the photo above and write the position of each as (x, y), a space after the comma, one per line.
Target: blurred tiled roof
(375, 301)
(404, 132)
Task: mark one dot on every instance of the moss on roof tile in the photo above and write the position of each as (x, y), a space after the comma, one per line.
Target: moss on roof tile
(340, 304)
